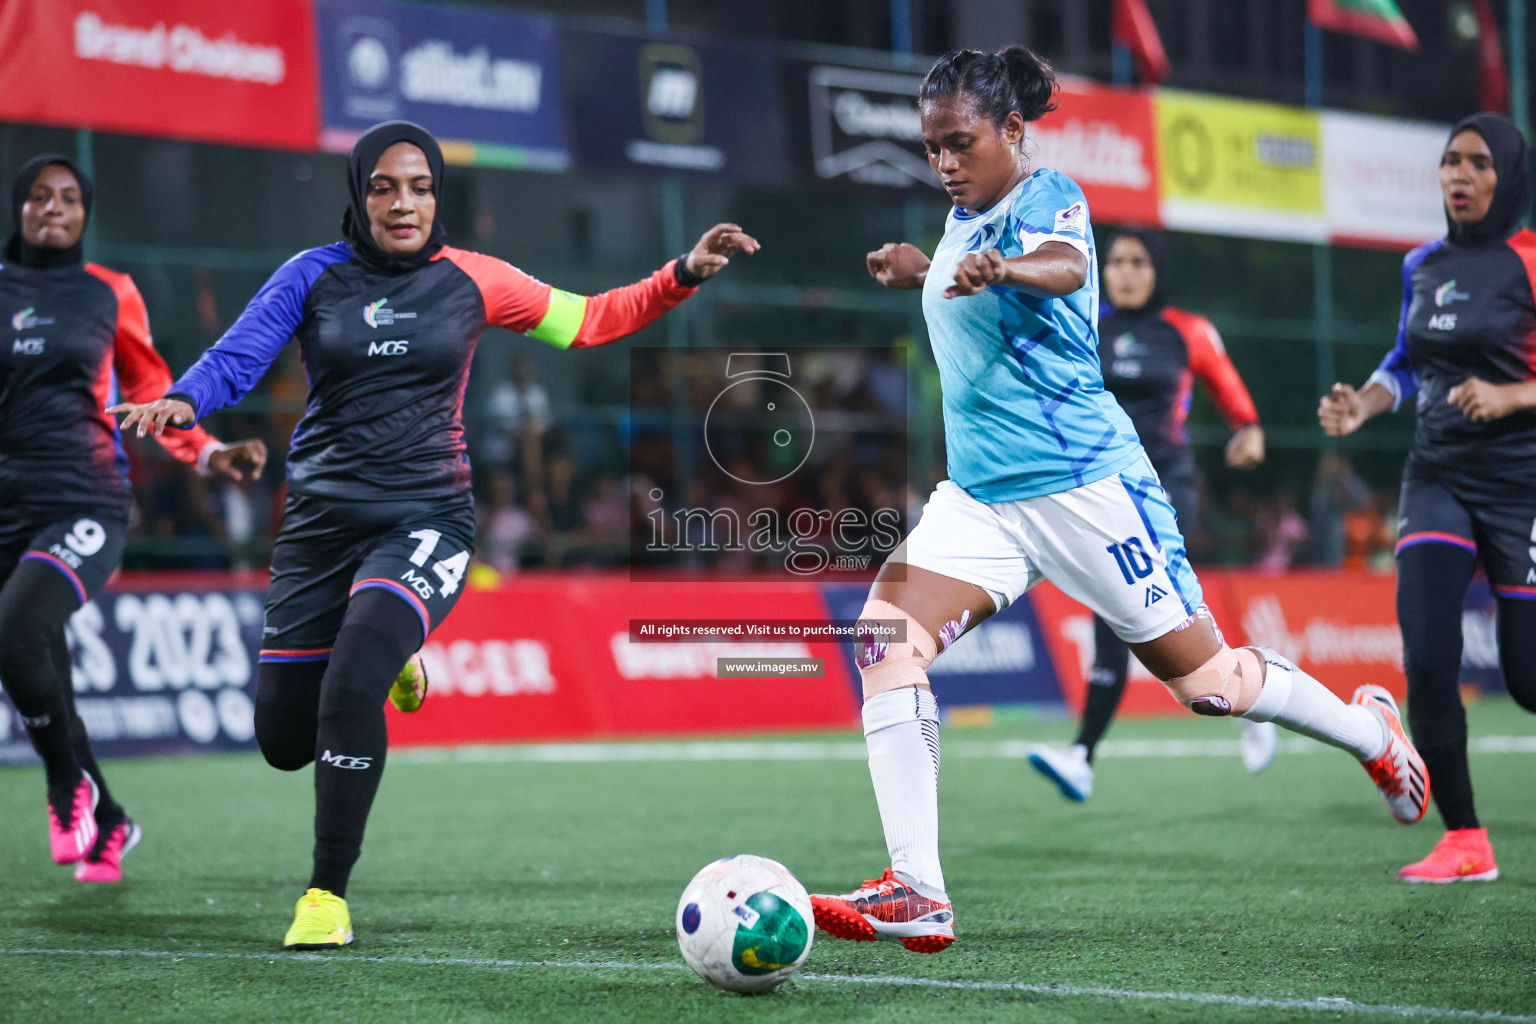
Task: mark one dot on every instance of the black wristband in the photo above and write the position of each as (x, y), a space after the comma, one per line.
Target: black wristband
(686, 277)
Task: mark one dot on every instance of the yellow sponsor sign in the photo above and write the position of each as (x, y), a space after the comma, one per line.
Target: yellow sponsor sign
(1239, 167)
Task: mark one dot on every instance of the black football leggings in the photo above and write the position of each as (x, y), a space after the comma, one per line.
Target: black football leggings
(1432, 584)
(35, 603)
(1106, 684)
(332, 713)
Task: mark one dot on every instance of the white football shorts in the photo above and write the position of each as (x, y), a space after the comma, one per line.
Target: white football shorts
(1114, 545)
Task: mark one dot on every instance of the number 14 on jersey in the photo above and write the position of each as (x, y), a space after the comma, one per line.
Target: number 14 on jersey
(449, 571)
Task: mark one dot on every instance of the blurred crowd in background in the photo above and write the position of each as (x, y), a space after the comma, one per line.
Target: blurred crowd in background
(556, 490)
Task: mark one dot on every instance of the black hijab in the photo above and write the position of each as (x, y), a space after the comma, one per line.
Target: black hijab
(1157, 252)
(17, 248)
(1512, 194)
(360, 164)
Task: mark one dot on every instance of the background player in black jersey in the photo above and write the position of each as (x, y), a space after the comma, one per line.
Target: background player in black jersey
(76, 329)
(1152, 353)
(379, 526)
(1466, 346)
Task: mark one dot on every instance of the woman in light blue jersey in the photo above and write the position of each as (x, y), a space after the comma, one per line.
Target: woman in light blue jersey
(1047, 480)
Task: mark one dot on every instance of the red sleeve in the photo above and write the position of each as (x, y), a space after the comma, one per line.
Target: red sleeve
(1524, 244)
(623, 311)
(513, 299)
(142, 375)
(1208, 360)
(522, 303)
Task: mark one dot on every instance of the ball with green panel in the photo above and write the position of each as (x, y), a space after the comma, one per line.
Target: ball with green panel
(745, 924)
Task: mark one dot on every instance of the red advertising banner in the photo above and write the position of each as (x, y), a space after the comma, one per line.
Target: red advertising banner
(1103, 138)
(1341, 627)
(1068, 629)
(552, 658)
(214, 72)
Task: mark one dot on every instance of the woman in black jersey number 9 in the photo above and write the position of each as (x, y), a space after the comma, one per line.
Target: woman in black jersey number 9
(378, 527)
(79, 332)
(1465, 348)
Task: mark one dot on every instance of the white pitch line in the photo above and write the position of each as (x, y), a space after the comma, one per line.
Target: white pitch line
(771, 750)
(1323, 1004)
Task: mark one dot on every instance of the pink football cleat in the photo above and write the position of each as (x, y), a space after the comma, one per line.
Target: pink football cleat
(73, 838)
(105, 861)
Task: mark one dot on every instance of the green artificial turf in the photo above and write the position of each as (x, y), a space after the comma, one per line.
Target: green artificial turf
(1183, 875)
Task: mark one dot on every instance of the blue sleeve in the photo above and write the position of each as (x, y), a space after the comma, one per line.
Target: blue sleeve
(1396, 371)
(1051, 209)
(230, 369)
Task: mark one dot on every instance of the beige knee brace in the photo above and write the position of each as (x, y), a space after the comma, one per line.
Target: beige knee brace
(893, 664)
(1228, 684)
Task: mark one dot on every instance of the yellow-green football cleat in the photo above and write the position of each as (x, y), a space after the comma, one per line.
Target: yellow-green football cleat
(320, 921)
(410, 690)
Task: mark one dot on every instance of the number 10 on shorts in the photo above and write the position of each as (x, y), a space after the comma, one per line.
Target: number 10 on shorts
(450, 570)
(1133, 560)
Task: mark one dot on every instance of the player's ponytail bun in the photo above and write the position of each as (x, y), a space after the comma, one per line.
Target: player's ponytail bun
(1014, 78)
(1034, 81)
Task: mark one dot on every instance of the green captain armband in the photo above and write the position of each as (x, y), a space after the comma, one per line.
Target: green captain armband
(562, 321)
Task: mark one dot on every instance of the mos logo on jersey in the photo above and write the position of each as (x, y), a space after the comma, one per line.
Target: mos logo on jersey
(393, 347)
(378, 314)
(346, 761)
(28, 319)
(1447, 294)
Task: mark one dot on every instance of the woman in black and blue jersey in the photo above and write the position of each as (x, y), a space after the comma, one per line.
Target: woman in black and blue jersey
(379, 525)
(1466, 346)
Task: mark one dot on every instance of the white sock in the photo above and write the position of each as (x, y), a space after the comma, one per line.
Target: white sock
(901, 729)
(1294, 700)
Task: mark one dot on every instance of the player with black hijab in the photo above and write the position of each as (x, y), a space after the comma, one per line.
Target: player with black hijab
(379, 523)
(1466, 347)
(79, 333)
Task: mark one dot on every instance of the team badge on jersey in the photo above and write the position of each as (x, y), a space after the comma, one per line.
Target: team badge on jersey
(378, 314)
(27, 319)
(1447, 294)
(1073, 218)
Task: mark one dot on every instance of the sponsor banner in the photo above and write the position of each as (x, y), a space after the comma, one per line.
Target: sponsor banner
(1234, 167)
(1068, 629)
(1102, 139)
(1381, 180)
(864, 129)
(487, 84)
(553, 659)
(229, 73)
(1339, 627)
(639, 104)
(160, 671)
(1002, 661)
(512, 663)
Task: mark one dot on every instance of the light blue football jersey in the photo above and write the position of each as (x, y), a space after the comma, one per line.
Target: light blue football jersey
(1025, 410)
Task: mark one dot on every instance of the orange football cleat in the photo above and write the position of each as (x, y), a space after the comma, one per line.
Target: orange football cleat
(890, 909)
(1461, 855)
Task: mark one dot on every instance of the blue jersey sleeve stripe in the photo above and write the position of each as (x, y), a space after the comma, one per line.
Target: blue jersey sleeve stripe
(1396, 371)
(230, 369)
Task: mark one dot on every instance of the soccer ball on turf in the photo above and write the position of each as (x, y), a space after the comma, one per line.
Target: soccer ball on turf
(744, 923)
